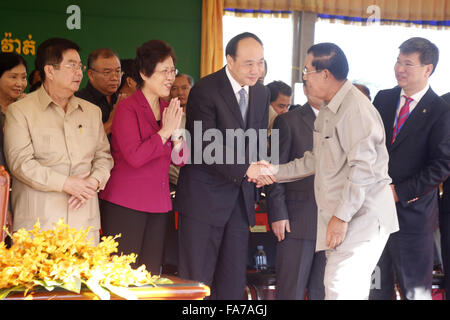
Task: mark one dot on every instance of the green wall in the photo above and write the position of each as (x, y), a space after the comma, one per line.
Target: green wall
(116, 24)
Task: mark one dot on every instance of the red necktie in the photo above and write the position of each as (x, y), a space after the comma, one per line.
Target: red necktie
(402, 116)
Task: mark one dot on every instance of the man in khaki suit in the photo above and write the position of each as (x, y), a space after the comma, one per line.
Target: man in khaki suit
(356, 209)
(56, 147)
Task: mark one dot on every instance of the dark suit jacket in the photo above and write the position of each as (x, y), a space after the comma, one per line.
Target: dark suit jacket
(295, 200)
(419, 159)
(209, 192)
(445, 203)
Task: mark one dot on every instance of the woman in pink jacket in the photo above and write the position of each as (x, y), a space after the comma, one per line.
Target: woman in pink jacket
(136, 198)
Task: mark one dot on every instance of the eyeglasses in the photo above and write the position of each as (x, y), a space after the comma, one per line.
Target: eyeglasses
(306, 72)
(407, 65)
(184, 88)
(169, 72)
(72, 65)
(110, 73)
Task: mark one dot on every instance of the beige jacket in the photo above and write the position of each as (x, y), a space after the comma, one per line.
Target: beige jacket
(350, 163)
(43, 146)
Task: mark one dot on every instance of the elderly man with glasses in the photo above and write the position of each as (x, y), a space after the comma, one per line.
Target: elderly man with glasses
(105, 73)
(349, 160)
(56, 148)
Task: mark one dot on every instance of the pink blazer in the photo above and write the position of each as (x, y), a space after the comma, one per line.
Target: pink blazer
(140, 176)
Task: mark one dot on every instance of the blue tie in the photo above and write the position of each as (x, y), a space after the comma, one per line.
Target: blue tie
(242, 102)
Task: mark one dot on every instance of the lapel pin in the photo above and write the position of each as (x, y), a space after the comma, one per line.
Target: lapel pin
(424, 111)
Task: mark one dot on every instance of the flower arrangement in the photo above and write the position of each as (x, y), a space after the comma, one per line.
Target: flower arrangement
(64, 257)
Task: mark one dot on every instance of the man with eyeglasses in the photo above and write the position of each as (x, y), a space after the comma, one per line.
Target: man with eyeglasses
(417, 124)
(349, 161)
(104, 72)
(56, 147)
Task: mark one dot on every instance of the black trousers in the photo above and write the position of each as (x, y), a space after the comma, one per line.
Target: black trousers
(444, 226)
(409, 258)
(299, 267)
(216, 256)
(142, 233)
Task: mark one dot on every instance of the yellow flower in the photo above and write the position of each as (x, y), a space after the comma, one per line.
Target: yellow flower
(64, 254)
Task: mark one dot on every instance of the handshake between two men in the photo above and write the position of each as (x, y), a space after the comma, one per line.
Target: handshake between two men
(262, 173)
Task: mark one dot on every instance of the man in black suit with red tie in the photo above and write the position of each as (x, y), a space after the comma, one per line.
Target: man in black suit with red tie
(215, 201)
(444, 226)
(417, 124)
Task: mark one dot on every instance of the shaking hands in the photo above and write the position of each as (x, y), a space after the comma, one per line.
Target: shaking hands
(262, 173)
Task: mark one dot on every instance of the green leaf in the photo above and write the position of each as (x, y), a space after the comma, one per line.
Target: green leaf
(6, 291)
(97, 289)
(49, 285)
(163, 281)
(72, 284)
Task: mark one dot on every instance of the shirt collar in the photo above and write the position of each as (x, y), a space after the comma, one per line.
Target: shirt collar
(316, 112)
(418, 95)
(336, 101)
(98, 96)
(45, 100)
(234, 84)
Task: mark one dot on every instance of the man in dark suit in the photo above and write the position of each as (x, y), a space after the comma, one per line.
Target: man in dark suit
(444, 226)
(419, 160)
(215, 201)
(292, 211)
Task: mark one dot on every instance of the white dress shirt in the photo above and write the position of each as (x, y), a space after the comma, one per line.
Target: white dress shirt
(236, 86)
(416, 98)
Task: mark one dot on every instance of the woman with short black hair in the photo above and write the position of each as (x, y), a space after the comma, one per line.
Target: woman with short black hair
(136, 199)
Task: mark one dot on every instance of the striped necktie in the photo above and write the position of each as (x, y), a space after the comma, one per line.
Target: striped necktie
(402, 116)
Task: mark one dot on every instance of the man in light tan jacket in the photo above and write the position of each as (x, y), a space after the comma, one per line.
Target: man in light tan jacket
(356, 209)
(56, 148)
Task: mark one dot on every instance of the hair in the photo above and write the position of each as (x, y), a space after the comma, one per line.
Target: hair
(188, 77)
(100, 53)
(428, 52)
(9, 60)
(149, 55)
(277, 87)
(364, 89)
(129, 71)
(31, 76)
(231, 47)
(329, 56)
(51, 52)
